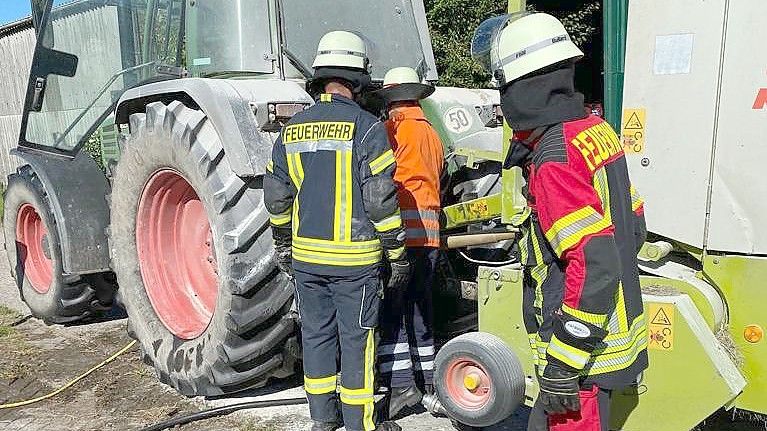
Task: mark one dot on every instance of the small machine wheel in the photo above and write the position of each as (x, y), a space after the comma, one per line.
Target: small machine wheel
(479, 380)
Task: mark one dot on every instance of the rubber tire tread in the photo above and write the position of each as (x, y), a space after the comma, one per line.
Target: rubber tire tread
(249, 340)
(499, 361)
(71, 298)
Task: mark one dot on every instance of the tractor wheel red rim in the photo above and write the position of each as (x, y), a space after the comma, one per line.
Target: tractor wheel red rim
(176, 254)
(30, 235)
(473, 396)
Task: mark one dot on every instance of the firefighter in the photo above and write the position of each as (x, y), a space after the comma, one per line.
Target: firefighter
(334, 214)
(406, 353)
(582, 299)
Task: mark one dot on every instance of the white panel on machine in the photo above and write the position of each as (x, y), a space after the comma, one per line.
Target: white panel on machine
(672, 68)
(739, 192)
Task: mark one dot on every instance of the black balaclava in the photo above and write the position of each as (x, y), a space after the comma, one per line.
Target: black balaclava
(358, 79)
(542, 99)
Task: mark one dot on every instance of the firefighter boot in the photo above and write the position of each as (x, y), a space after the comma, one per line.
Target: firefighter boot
(400, 397)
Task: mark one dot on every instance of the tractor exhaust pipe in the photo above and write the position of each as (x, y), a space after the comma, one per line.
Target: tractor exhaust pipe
(450, 242)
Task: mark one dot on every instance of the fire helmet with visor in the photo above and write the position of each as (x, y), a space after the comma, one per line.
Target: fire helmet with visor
(516, 45)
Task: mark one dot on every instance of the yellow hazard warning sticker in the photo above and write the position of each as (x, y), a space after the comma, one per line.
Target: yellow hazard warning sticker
(661, 326)
(478, 209)
(633, 130)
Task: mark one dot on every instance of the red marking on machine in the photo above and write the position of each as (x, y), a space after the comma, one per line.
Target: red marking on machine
(761, 99)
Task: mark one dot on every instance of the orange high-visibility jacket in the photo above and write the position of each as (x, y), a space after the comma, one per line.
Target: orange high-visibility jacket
(420, 159)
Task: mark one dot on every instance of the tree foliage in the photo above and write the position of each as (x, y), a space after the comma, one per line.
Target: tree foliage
(452, 24)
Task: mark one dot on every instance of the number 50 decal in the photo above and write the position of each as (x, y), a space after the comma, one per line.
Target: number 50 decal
(458, 120)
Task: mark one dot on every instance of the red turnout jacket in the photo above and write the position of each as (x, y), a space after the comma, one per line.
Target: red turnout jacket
(582, 297)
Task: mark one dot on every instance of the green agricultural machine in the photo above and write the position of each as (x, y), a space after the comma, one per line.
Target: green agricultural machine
(690, 108)
(187, 98)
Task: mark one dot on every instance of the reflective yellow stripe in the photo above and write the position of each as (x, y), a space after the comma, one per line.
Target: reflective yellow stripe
(540, 271)
(602, 187)
(364, 396)
(338, 203)
(620, 351)
(295, 169)
(616, 342)
(618, 361)
(570, 355)
(342, 217)
(572, 228)
(370, 355)
(382, 162)
(595, 319)
(348, 193)
(296, 220)
(524, 249)
(326, 98)
(322, 385)
(636, 199)
(396, 253)
(282, 219)
(533, 339)
(388, 223)
(270, 167)
(327, 246)
(620, 309)
(335, 259)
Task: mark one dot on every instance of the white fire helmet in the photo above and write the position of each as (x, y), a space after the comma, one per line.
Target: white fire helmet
(341, 49)
(512, 46)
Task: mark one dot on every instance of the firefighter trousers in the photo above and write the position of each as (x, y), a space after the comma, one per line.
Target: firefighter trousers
(593, 416)
(406, 353)
(340, 311)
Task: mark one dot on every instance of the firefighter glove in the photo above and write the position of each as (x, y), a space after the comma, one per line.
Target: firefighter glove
(559, 389)
(283, 247)
(400, 275)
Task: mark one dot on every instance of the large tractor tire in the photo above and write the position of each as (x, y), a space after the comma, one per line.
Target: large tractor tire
(194, 259)
(34, 253)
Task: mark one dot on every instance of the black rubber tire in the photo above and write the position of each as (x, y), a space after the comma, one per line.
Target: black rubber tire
(508, 389)
(71, 297)
(249, 339)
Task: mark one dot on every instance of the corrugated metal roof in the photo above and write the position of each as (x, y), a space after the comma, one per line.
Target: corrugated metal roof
(66, 9)
(16, 26)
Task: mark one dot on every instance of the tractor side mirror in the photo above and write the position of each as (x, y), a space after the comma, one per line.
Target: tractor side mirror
(53, 62)
(50, 62)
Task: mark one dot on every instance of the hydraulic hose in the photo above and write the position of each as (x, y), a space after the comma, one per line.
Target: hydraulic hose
(222, 411)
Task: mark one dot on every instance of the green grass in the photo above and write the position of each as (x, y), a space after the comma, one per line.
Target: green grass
(7, 317)
(14, 364)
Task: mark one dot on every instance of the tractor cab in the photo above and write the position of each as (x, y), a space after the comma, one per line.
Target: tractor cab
(89, 52)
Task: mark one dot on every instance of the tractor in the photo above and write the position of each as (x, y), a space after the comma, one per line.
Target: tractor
(188, 97)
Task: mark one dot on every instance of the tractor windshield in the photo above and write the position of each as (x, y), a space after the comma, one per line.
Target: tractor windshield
(396, 31)
(88, 53)
(229, 36)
